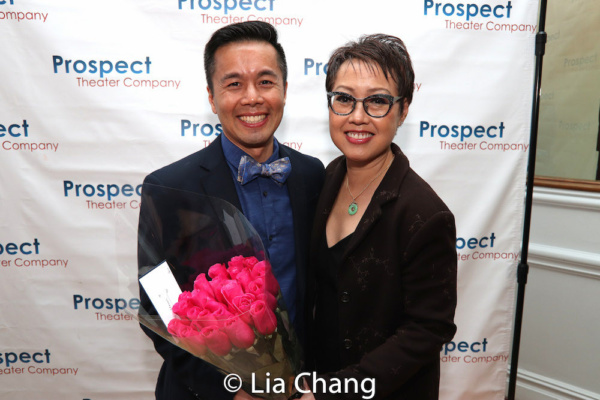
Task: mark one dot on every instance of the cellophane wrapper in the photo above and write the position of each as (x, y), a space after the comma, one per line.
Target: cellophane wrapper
(231, 313)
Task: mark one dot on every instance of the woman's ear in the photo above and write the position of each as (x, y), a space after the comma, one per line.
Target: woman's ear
(404, 112)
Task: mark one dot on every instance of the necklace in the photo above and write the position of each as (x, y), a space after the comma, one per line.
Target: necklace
(353, 207)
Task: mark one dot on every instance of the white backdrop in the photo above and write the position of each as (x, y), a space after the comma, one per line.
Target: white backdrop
(95, 95)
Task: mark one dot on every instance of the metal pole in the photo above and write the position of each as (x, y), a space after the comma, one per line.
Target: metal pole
(523, 268)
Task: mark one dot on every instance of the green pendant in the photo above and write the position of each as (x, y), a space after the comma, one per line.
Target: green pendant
(353, 208)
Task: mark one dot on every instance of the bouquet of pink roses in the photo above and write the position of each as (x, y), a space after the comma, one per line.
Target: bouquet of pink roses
(220, 301)
(232, 314)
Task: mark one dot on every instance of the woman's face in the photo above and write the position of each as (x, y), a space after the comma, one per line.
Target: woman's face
(359, 136)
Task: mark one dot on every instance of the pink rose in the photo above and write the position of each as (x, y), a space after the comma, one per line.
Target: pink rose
(263, 270)
(195, 344)
(216, 340)
(241, 306)
(264, 319)
(222, 315)
(236, 264)
(240, 334)
(203, 319)
(185, 296)
(244, 278)
(192, 339)
(230, 290)
(217, 284)
(249, 262)
(218, 271)
(182, 306)
(256, 287)
(269, 300)
(213, 306)
(201, 284)
(201, 297)
(194, 313)
(176, 325)
(188, 331)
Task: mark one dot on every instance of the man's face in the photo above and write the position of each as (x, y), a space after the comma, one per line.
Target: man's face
(248, 95)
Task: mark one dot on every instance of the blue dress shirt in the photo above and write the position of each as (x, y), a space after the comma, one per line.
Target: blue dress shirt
(267, 206)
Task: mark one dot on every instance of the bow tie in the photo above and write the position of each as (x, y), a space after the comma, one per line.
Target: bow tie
(278, 170)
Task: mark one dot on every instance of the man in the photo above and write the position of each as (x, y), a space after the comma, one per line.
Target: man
(246, 73)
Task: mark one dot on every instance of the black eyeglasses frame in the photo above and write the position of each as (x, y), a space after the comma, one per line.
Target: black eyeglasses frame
(393, 100)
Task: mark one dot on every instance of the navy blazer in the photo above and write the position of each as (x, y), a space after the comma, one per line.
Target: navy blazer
(206, 172)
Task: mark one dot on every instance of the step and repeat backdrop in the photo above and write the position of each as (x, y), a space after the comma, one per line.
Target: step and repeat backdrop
(95, 95)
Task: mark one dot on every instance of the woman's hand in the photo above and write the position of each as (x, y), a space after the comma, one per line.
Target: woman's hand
(308, 396)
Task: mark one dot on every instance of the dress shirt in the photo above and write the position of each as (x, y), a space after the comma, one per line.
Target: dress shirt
(266, 204)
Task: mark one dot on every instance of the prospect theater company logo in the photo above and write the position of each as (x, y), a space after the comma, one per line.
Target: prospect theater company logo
(104, 196)
(484, 247)
(496, 17)
(471, 352)
(107, 309)
(36, 362)
(206, 132)
(16, 137)
(224, 12)
(470, 137)
(110, 73)
(28, 255)
(8, 13)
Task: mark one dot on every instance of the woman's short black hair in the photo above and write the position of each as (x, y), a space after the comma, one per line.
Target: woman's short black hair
(378, 50)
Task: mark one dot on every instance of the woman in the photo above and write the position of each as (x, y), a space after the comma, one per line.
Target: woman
(383, 256)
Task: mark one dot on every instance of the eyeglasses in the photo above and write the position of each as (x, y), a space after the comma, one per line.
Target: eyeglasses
(376, 106)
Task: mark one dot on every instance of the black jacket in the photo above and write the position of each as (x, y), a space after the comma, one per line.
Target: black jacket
(182, 375)
(396, 285)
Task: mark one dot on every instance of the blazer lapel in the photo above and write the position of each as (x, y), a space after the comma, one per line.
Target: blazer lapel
(387, 191)
(217, 180)
(297, 190)
(326, 200)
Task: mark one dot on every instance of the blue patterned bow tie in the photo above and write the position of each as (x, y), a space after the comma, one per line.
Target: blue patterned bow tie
(278, 170)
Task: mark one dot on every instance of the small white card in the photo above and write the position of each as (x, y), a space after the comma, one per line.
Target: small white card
(162, 289)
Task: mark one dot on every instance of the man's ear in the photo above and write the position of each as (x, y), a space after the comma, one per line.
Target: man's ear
(211, 100)
(285, 92)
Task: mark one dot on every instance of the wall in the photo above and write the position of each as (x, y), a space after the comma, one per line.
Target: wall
(559, 346)
(570, 95)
